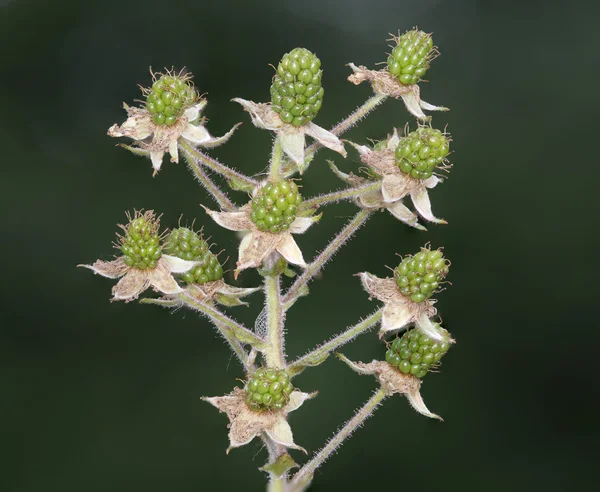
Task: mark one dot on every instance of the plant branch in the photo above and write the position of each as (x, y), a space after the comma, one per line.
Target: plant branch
(355, 422)
(276, 158)
(220, 197)
(215, 165)
(336, 196)
(318, 355)
(336, 243)
(275, 315)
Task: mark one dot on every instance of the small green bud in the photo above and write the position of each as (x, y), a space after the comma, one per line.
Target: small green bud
(421, 151)
(275, 206)
(189, 245)
(415, 353)
(410, 57)
(140, 244)
(296, 92)
(171, 94)
(268, 389)
(418, 277)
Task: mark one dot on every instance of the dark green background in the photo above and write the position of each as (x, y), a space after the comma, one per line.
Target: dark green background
(101, 396)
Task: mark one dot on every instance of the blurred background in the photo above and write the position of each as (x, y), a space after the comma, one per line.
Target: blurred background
(102, 396)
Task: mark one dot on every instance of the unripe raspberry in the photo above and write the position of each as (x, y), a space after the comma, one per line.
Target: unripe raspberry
(415, 353)
(419, 276)
(421, 151)
(169, 97)
(189, 245)
(141, 243)
(296, 92)
(410, 57)
(268, 389)
(274, 206)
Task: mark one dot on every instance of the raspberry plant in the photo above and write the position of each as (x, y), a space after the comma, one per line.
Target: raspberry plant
(180, 266)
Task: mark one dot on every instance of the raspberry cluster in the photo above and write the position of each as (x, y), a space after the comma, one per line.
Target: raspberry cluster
(189, 245)
(421, 151)
(274, 206)
(415, 353)
(141, 243)
(419, 276)
(169, 97)
(296, 92)
(410, 57)
(268, 389)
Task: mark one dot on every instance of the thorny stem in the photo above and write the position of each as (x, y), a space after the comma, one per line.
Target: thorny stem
(336, 243)
(276, 158)
(355, 422)
(336, 196)
(221, 198)
(275, 315)
(230, 329)
(343, 126)
(321, 352)
(215, 165)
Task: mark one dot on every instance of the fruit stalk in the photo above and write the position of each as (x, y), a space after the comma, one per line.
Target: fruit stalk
(355, 422)
(275, 315)
(346, 194)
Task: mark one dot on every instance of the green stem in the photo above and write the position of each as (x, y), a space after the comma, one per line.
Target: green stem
(221, 198)
(274, 351)
(336, 243)
(228, 327)
(276, 158)
(355, 422)
(319, 354)
(277, 484)
(215, 165)
(336, 196)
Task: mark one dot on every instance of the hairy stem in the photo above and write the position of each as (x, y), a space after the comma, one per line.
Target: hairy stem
(229, 328)
(336, 196)
(319, 354)
(343, 126)
(355, 422)
(221, 198)
(276, 158)
(216, 166)
(336, 243)
(275, 315)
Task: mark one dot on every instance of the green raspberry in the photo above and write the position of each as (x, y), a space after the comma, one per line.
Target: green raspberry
(189, 245)
(415, 353)
(296, 92)
(418, 277)
(410, 57)
(268, 389)
(274, 206)
(421, 151)
(140, 244)
(169, 97)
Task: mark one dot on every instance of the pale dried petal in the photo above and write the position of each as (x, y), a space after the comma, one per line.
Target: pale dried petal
(262, 115)
(393, 188)
(196, 134)
(432, 181)
(133, 283)
(288, 248)
(109, 269)
(301, 224)
(424, 324)
(281, 433)
(351, 178)
(193, 113)
(384, 289)
(395, 316)
(177, 265)
(138, 125)
(393, 141)
(292, 142)
(325, 138)
(223, 403)
(230, 290)
(363, 150)
(412, 102)
(297, 398)
(431, 107)
(254, 248)
(162, 279)
(216, 141)
(173, 150)
(420, 199)
(234, 221)
(156, 156)
(416, 401)
(401, 212)
(359, 367)
(242, 430)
